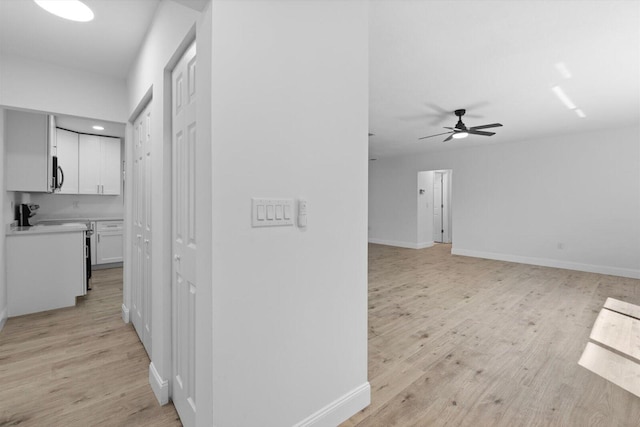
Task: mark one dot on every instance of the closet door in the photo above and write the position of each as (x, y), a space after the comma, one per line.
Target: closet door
(184, 237)
(141, 198)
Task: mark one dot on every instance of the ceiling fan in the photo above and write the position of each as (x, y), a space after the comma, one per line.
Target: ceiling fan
(462, 131)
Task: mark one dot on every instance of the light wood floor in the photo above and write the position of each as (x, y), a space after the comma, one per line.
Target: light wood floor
(470, 342)
(79, 366)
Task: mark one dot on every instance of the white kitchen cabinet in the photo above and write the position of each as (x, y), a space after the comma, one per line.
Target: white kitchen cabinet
(109, 243)
(28, 146)
(99, 165)
(67, 150)
(44, 271)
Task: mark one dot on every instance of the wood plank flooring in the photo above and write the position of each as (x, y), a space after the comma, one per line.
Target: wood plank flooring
(78, 366)
(464, 341)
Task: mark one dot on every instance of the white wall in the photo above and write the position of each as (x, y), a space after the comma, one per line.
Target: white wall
(290, 119)
(40, 86)
(520, 201)
(63, 206)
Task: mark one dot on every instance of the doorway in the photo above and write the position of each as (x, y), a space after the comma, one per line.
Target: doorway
(442, 206)
(434, 207)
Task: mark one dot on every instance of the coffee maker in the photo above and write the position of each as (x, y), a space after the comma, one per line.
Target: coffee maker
(24, 211)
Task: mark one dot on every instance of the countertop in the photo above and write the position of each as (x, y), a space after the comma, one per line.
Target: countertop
(46, 229)
(83, 219)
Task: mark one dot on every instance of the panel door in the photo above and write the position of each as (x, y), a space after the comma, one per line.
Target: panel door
(89, 164)
(146, 228)
(67, 149)
(141, 263)
(184, 286)
(110, 166)
(437, 207)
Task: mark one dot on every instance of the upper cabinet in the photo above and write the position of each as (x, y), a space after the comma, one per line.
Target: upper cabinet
(30, 146)
(67, 149)
(99, 165)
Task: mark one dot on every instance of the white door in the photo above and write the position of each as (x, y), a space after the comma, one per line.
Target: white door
(184, 233)
(67, 149)
(438, 226)
(141, 197)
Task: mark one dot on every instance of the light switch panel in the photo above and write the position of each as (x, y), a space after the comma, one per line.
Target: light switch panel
(271, 212)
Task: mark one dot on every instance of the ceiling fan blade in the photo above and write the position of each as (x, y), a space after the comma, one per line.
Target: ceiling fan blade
(450, 137)
(492, 125)
(438, 134)
(480, 132)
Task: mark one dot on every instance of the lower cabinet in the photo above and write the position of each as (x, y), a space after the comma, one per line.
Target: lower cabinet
(109, 244)
(44, 271)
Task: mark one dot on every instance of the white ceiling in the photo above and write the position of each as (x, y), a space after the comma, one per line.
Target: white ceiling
(497, 59)
(107, 45)
(84, 125)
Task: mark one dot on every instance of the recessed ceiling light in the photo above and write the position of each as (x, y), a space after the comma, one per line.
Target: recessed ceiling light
(98, 128)
(459, 135)
(74, 10)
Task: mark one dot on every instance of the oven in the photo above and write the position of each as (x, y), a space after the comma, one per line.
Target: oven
(87, 255)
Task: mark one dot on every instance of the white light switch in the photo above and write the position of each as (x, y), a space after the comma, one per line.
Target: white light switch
(271, 212)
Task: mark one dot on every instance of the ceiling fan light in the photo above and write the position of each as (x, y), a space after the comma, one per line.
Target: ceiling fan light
(73, 10)
(460, 135)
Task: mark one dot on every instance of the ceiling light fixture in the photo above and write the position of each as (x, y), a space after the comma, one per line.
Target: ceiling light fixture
(73, 10)
(580, 113)
(98, 127)
(563, 97)
(460, 135)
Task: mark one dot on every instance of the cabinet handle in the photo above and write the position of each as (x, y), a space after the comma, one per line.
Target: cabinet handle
(98, 237)
(98, 190)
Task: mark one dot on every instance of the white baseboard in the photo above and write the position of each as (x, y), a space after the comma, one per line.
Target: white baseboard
(397, 243)
(3, 317)
(125, 314)
(424, 245)
(340, 409)
(545, 262)
(159, 386)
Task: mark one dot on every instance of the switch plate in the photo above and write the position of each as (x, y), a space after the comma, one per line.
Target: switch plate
(271, 212)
